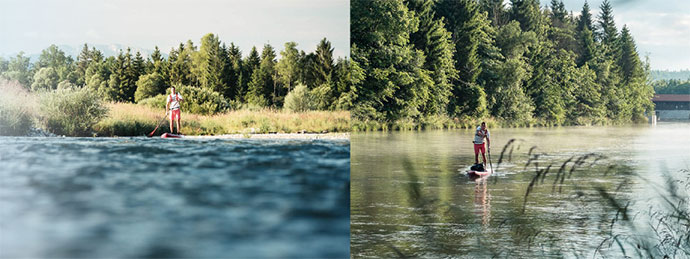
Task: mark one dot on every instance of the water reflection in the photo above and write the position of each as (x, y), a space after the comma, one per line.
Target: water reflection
(482, 199)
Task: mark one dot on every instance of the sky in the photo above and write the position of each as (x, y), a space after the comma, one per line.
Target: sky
(661, 29)
(33, 25)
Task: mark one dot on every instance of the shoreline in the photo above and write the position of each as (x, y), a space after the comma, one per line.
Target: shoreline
(295, 136)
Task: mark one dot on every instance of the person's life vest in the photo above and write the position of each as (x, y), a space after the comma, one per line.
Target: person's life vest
(174, 101)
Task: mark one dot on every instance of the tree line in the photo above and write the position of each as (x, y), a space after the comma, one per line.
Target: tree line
(519, 63)
(212, 69)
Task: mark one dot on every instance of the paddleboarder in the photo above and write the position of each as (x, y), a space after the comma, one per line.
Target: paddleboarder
(479, 135)
(173, 105)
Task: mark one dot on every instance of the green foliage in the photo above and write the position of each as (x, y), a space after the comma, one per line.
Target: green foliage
(521, 65)
(299, 99)
(19, 69)
(157, 102)
(288, 66)
(201, 100)
(263, 90)
(672, 86)
(45, 79)
(71, 112)
(149, 85)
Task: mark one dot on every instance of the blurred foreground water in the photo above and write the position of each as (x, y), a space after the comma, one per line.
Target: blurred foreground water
(141, 197)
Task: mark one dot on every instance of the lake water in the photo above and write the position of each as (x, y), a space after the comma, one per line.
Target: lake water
(411, 196)
(141, 197)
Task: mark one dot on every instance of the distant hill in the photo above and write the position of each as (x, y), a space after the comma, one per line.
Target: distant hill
(667, 75)
(108, 50)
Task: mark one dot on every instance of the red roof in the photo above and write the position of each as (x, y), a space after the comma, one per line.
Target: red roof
(671, 98)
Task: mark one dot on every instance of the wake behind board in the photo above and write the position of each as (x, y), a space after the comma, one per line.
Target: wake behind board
(170, 135)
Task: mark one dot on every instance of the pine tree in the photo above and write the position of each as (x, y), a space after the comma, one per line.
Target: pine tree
(396, 85)
(139, 66)
(262, 88)
(83, 60)
(469, 30)
(322, 66)
(433, 39)
(249, 67)
(210, 65)
(585, 19)
(495, 10)
(586, 47)
(558, 12)
(528, 14)
(607, 27)
(235, 77)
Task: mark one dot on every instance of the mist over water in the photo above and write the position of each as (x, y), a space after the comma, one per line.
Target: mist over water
(554, 193)
(140, 197)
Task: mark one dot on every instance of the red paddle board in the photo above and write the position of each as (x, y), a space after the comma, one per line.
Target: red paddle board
(170, 135)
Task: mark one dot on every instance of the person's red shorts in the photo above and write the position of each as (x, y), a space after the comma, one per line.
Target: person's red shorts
(479, 147)
(175, 114)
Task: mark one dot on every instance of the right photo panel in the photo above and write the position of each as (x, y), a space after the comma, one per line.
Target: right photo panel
(520, 129)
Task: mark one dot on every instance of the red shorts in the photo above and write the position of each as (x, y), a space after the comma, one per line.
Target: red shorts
(479, 147)
(175, 114)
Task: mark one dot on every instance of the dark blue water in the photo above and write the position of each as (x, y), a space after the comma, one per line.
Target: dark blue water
(140, 197)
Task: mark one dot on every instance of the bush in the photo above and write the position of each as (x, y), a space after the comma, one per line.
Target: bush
(201, 100)
(17, 109)
(299, 99)
(156, 102)
(149, 86)
(321, 97)
(71, 112)
(45, 79)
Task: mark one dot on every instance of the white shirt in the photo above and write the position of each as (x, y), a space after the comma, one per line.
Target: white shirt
(479, 139)
(174, 101)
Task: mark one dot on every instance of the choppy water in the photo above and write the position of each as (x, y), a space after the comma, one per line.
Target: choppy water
(412, 198)
(140, 197)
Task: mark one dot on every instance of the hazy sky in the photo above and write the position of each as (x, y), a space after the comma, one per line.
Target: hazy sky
(32, 25)
(661, 28)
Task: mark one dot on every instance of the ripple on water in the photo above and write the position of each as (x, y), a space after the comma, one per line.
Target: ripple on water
(151, 197)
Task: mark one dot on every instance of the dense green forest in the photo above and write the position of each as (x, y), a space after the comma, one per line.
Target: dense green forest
(672, 86)
(217, 76)
(668, 75)
(415, 61)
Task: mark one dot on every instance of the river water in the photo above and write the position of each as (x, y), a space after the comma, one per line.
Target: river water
(162, 198)
(603, 195)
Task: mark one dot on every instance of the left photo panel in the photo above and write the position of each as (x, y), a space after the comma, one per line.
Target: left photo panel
(175, 129)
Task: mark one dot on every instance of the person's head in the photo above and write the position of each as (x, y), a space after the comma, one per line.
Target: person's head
(172, 89)
(483, 125)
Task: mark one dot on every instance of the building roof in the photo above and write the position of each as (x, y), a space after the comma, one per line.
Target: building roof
(671, 98)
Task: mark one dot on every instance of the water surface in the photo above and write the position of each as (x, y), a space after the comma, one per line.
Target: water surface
(140, 197)
(411, 196)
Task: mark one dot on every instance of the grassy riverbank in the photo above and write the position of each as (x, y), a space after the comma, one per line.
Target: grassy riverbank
(125, 119)
(445, 122)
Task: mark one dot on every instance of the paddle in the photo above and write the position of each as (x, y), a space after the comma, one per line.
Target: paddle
(490, 166)
(159, 124)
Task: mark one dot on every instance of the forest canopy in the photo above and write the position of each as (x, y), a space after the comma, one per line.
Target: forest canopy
(518, 63)
(221, 72)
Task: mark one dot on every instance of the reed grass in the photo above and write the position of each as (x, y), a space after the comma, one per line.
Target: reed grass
(17, 109)
(135, 120)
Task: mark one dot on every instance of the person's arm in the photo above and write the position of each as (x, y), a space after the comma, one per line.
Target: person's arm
(167, 104)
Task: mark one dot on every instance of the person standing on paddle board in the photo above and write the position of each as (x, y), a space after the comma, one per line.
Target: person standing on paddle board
(173, 105)
(479, 135)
